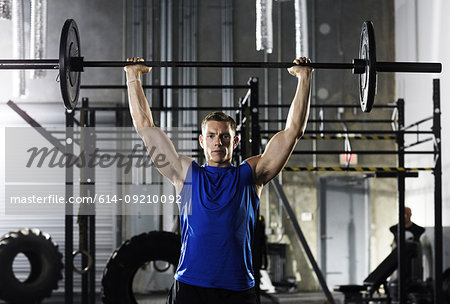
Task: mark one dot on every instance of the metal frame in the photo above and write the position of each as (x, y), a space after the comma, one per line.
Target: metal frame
(438, 248)
(247, 116)
(437, 172)
(87, 222)
(400, 172)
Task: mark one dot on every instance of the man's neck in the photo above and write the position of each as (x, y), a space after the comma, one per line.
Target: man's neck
(221, 165)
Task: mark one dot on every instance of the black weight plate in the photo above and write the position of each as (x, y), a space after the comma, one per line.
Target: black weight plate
(69, 80)
(368, 79)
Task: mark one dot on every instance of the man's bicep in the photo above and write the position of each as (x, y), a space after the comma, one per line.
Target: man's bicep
(275, 156)
(163, 154)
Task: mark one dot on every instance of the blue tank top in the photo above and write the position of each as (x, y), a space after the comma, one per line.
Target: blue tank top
(217, 214)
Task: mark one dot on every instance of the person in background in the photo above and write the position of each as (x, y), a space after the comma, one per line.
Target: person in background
(412, 230)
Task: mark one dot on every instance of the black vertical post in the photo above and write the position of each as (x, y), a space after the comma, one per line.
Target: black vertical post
(91, 217)
(255, 143)
(237, 153)
(245, 130)
(254, 114)
(401, 204)
(86, 216)
(82, 219)
(68, 238)
(438, 267)
(120, 122)
(162, 112)
(161, 102)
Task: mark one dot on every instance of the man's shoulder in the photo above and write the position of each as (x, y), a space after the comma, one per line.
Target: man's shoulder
(418, 228)
(393, 228)
(252, 161)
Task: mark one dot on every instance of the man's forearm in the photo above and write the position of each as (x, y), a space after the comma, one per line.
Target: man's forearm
(139, 106)
(299, 110)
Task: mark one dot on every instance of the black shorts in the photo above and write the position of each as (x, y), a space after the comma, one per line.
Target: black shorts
(182, 293)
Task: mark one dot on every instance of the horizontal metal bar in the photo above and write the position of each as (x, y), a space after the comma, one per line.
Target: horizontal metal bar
(350, 137)
(124, 87)
(161, 108)
(409, 67)
(395, 174)
(361, 152)
(335, 120)
(100, 108)
(351, 132)
(29, 64)
(138, 138)
(358, 169)
(143, 152)
(219, 64)
(145, 155)
(328, 106)
(127, 130)
(54, 64)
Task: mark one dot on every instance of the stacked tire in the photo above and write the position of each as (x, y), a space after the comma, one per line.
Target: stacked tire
(117, 281)
(45, 266)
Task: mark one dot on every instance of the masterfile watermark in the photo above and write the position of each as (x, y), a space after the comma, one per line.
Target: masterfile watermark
(54, 171)
(34, 157)
(42, 200)
(51, 158)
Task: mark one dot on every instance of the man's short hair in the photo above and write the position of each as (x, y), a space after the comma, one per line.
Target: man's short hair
(219, 116)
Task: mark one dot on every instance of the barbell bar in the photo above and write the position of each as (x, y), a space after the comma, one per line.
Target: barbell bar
(70, 64)
(53, 64)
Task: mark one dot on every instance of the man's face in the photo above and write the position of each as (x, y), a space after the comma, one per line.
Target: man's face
(218, 141)
(408, 214)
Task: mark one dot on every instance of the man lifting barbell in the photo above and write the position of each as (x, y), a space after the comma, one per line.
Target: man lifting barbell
(71, 64)
(216, 261)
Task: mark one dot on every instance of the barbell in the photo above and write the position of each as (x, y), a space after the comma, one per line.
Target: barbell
(71, 64)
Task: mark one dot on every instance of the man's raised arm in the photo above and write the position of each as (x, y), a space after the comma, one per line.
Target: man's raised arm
(174, 166)
(280, 147)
